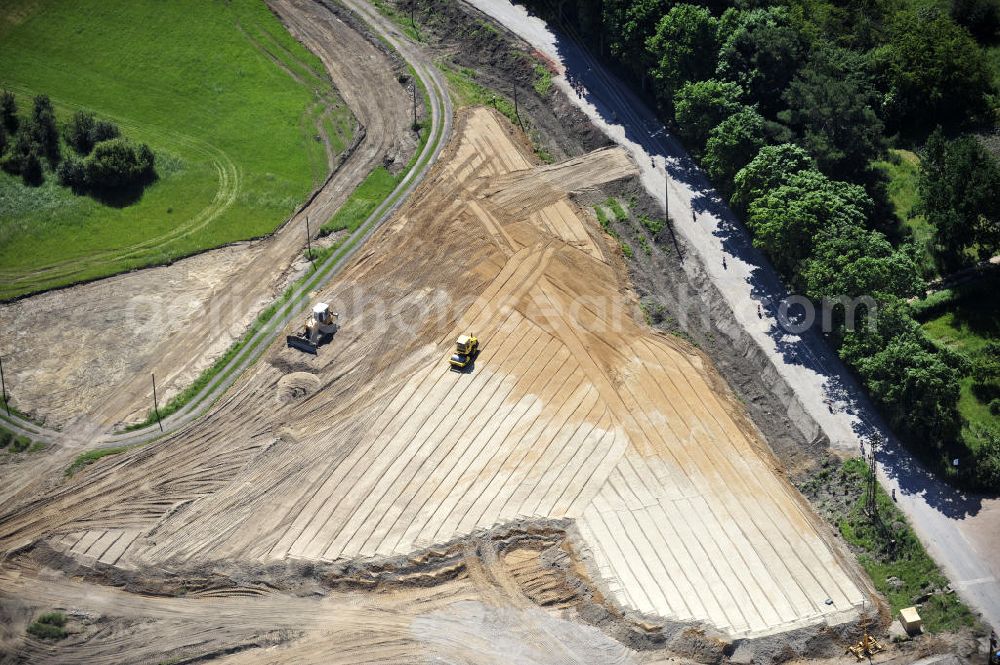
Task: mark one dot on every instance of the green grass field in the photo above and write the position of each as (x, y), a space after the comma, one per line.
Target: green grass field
(231, 104)
(362, 202)
(903, 171)
(965, 322)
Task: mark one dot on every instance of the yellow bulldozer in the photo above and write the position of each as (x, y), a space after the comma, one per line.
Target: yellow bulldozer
(316, 329)
(466, 350)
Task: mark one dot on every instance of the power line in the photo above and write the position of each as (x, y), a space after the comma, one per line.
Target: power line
(3, 384)
(156, 409)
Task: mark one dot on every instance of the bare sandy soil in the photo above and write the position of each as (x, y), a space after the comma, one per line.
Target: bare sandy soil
(372, 456)
(513, 605)
(175, 320)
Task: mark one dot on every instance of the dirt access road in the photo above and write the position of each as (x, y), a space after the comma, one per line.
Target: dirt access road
(960, 531)
(374, 452)
(484, 612)
(94, 366)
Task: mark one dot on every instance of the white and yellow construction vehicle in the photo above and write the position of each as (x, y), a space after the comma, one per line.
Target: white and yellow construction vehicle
(466, 350)
(317, 329)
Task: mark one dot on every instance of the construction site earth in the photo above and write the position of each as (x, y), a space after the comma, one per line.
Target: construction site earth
(578, 488)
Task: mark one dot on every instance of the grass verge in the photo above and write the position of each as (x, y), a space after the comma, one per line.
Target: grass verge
(92, 456)
(902, 171)
(402, 20)
(362, 202)
(18, 443)
(891, 555)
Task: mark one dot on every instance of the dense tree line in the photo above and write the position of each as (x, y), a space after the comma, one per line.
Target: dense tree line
(100, 161)
(786, 104)
(960, 195)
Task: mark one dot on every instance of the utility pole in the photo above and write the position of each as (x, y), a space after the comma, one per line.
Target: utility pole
(156, 409)
(666, 192)
(413, 4)
(3, 384)
(309, 249)
(517, 113)
(871, 504)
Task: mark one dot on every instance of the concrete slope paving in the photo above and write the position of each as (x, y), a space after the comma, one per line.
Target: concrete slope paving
(573, 410)
(960, 531)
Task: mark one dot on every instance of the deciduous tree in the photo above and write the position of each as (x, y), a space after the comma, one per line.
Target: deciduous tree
(731, 145)
(852, 261)
(770, 168)
(683, 49)
(937, 72)
(701, 105)
(831, 106)
(629, 24)
(980, 17)
(761, 51)
(917, 390)
(786, 221)
(960, 195)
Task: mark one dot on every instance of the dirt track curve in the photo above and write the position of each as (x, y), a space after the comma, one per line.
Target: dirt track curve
(172, 321)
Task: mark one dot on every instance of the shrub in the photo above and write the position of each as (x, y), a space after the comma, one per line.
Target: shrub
(5, 438)
(616, 209)
(71, 174)
(79, 132)
(654, 226)
(118, 163)
(49, 626)
(105, 130)
(43, 128)
(20, 444)
(53, 619)
(8, 111)
(44, 631)
(24, 144)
